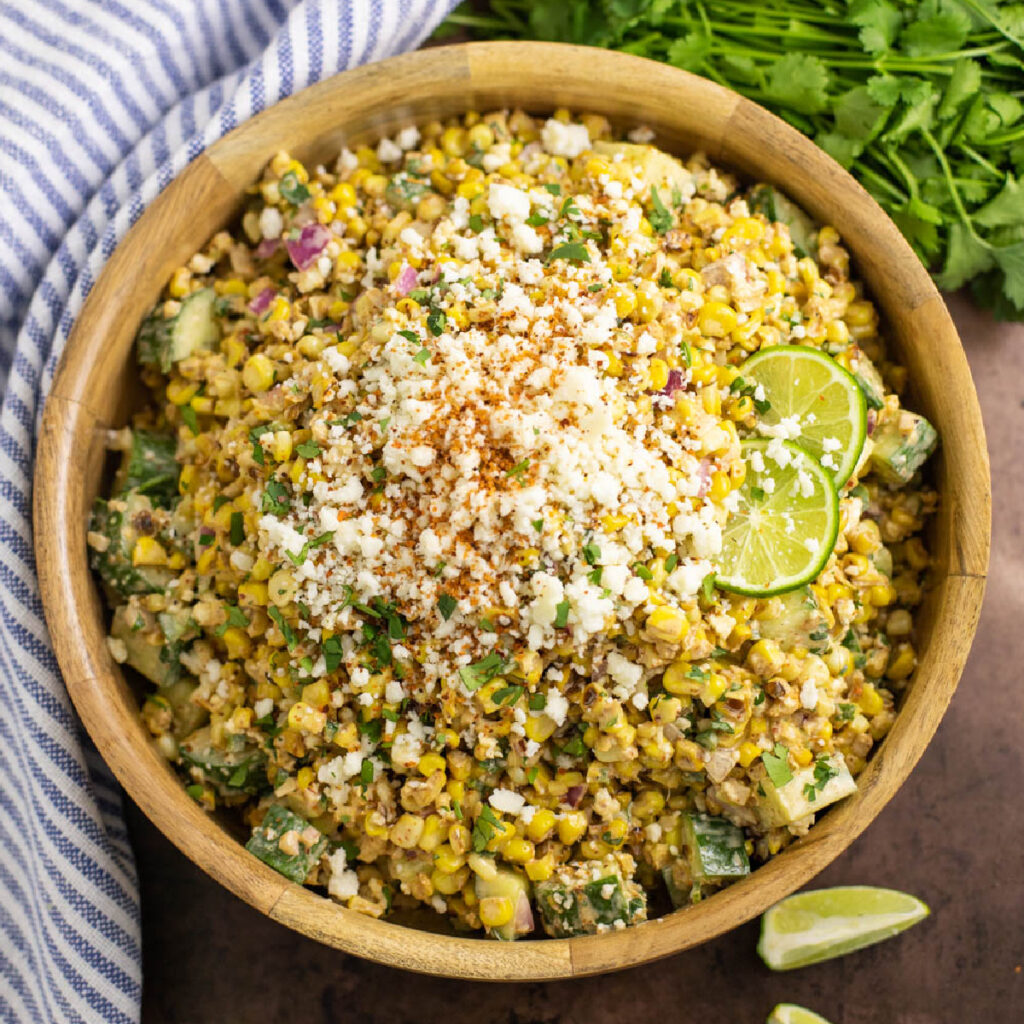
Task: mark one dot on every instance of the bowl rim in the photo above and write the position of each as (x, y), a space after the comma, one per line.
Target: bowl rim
(73, 415)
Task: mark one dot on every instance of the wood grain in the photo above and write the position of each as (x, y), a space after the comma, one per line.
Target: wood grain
(95, 384)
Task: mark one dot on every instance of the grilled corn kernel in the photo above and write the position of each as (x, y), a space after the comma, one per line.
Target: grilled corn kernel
(433, 833)
(658, 374)
(149, 551)
(539, 728)
(303, 717)
(541, 869)
(238, 645)
(716, 320)
(541, 825)
(902, 663)
(430, 763)
(571, 827)
(258, 373)
(482, 866)
(496, 911)
(446, 860)
(668, 624)
(749, 752)
(519, 851)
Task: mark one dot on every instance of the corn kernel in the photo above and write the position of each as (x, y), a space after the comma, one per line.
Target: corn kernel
(430, 763)
(540, 870)
(238, 644)
(541, 825)
(496, 911)
(749, 752)
(571, 827)
(668, 624)
(304, 718)
(258, 373)
(318, 694)
(149, 551)
(446, 860)
(482, 866)
(539, 728)
(519, 851)
(433, 833)
(716, 320)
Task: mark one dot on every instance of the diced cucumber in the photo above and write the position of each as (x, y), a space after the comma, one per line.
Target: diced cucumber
(586, 897)
(188, 716)
(902, 445)
(164, 341)
(403, 192)
(513, 886)
(679, 883)
(149, 468)
(121, 520)
(777, 206)
(158, 662)
(782, 805)
(795, 619)
(715, 849)
(240, 769)
(866, 374)
(656, 168)
(267, 836)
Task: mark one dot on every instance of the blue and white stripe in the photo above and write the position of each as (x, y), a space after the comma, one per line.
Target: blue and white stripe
(102, 103)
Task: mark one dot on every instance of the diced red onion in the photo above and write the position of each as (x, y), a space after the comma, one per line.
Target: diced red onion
(872, 421)
(704, 477)
(305, 249)
(406, 281)
(267, 248)
(523, 918)
(675, 383)
(574, 794)
(262, 301)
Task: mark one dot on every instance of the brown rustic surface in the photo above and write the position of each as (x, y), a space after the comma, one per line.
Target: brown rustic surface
(954, 835)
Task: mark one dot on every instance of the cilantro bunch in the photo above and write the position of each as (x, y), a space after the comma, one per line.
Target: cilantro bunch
(922, 101)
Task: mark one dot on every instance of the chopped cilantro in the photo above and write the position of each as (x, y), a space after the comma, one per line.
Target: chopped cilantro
(538, 702)
(332, 652)
(671, 562)
(422, 356)
(188, 414)
(236, 533)
(276, 500)
(570, 251)
(436, 322)
(660, 218)
(308, 449)
(446, 605)
(591, 553)
(476, 223)
(292, 189)
(776, 764)
(286, 631)
(642, 571)
(476, 675)
(561, 614)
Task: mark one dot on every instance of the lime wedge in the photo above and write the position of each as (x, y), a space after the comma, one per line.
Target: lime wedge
(784, 528)
(790, 1013)
(813, 401)
(813, 926)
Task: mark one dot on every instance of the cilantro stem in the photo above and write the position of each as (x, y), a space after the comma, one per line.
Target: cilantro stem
(954, 192)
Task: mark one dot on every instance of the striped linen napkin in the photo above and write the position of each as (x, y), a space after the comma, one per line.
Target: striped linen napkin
(102, 103)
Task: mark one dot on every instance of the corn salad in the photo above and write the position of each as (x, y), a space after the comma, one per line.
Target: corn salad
(417, 540)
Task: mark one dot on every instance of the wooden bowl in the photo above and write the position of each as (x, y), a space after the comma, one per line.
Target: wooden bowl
(96, 384)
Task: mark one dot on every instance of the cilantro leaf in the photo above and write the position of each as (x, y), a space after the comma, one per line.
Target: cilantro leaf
(570, 251)
(776, 764)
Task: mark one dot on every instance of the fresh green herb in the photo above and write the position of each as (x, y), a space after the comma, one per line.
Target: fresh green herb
(422, 356)
(484, 828)
(665, 278)
(314, 542)
(531, 774)
(371, 730)
(286, 631)
(595, 287)
(219, 502)
(481, 672)
(507, 695)
(195, 791)
(236, 618)
(378, 474)
(591, 553)
(439, 568)
(519, 469)
(555, 190)
(570, 251)
(258, 454)
(537, 220)
(595, 575)
(292, 189)
(435, 322)
(206, 539)
(446, 605)
(575, 747)
(332, 652)
(486, 625)
(671, 562)
(776, 764)
(457, 810)
(707, 588)
(846, 712)
(276, 499)
(411, 337)
(698, 674)
(642, 571)
(308, 449)
(757, 493)
(366, 772)
(660, 218)
(188, 414)
(538, 702)
(824, 772)
(561, 614)
(476, 223)
(538, 525)
(759, 697)
(920, 100)
(685, 354)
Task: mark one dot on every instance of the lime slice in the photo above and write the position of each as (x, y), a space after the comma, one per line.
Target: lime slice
(827, 403)
(785, 525)
(790, 1013)
(813, 926)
